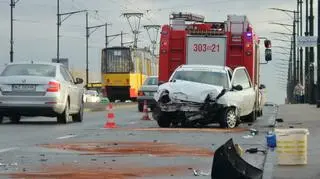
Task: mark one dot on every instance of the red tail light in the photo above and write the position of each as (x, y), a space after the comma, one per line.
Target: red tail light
(140, 93)
(53, 86)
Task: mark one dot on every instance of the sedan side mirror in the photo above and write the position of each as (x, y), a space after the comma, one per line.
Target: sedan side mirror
(237, 87)
(79, 81)
(262, 86)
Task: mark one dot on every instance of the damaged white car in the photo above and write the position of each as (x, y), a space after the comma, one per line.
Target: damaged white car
(205, 94)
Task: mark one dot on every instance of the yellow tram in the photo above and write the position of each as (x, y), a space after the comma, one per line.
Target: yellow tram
(124, 70)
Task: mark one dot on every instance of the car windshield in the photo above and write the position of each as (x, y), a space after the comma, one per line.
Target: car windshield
(91, 92)
(151, 81)
(206, 77)
(30, 70)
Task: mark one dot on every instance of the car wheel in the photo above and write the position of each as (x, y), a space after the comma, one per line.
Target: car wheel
(64, 117)
(140, 107)
(15, 119)
(229, 118)
(253, 116)
(79, 116)
(1, 119)
(164, 119)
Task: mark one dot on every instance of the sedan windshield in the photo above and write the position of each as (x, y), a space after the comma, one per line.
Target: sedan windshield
(151, 81)
(30, 70)
(206, 77)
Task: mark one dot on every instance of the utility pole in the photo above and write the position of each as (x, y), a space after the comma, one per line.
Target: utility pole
(12, 5)
(59, 22)
(136, 27)
(153, 40)
(311, 59)
(121, 39)
(300, 2)
(306, 67)
(88, 33)
(318, 60)
(295, 60)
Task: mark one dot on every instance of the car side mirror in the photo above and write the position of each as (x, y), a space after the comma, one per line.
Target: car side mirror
(237, 87)
(262, 86)
(79, 81)
(268, 55)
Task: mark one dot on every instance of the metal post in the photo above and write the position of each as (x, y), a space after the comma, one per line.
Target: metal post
(58, 30)
(311, 66)
(318, 60)
(121, 39)
(12, 4)
(297, 48)
(306, 67)
(301, 49)
(87, 49)
(294, 52)
(106, 34)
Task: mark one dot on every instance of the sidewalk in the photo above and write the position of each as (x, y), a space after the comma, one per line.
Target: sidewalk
(301, 116)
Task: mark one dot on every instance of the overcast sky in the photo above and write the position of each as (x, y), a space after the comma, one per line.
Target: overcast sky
(35, 28)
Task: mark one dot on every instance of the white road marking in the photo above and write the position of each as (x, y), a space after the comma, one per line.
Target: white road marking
(8, 149)
(67, 136)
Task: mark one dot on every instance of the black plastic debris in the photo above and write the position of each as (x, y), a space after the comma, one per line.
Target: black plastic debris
(279, 120)
(227, 164)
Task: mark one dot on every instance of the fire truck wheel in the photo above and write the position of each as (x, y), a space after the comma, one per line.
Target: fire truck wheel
(164, 119)
(229, 118)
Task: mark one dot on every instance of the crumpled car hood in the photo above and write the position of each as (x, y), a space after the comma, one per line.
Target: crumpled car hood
(188, 91)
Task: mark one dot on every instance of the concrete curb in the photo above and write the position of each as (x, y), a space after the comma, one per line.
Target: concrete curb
(268, 165)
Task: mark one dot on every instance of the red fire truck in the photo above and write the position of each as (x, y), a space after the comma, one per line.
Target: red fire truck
(188, 39)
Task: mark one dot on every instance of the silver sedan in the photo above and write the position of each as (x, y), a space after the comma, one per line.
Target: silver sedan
(40, 89)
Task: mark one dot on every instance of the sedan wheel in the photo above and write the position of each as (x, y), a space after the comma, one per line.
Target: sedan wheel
(79, 116)
(64, 117)
(15, 119)
(229, 118)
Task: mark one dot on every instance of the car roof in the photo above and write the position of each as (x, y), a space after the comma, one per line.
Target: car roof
(208, 67)
(35, 62)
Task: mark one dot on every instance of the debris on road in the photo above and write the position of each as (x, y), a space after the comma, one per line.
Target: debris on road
(124, 148)
(236, 130)
(200, 173)
(114, 172)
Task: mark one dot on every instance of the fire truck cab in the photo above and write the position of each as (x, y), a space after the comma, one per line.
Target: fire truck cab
(189, 39)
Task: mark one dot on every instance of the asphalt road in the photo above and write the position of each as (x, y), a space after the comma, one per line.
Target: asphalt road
(41, 148)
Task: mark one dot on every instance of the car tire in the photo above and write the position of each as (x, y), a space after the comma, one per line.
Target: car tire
(229, 118)
(15, 119)
(253, 116)
(64, 117)
(164, 119)
(140, 107)
(1, 119)
(79, 116)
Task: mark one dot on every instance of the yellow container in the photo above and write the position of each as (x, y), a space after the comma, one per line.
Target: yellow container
(292, 146)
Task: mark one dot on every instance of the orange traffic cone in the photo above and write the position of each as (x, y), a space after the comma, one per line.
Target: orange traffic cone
(110, 118)
(145, 111)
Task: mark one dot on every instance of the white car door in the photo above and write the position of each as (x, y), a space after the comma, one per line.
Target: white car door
(247, 94)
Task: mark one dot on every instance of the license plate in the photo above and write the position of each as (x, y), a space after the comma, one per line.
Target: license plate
(23, 87)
